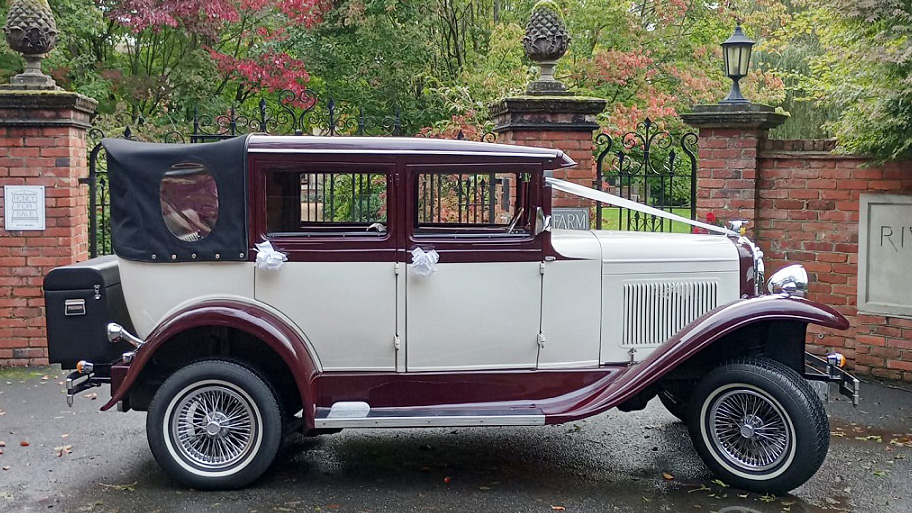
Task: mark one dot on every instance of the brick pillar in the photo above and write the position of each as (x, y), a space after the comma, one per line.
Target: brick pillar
(565, 123)
(42, 143)
(728, 169)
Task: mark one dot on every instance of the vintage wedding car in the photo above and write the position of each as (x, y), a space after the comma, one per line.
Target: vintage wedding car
(265, 285)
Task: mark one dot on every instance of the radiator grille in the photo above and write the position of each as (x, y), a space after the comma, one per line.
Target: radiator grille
(654, 312)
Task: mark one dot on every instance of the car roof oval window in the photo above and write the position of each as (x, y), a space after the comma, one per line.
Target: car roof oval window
(189, 201)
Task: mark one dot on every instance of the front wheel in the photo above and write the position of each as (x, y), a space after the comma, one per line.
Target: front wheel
(758, 425)
(214, 425)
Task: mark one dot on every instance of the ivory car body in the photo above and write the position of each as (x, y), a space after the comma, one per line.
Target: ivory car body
(265, 285)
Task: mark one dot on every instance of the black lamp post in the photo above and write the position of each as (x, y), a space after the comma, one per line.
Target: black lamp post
(737, 53)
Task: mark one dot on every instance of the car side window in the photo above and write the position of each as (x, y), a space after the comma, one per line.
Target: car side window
(471, 203)
(189, 201)
(311, 202)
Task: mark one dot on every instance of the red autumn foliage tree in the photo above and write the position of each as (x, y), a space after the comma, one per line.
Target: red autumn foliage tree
(175, 48)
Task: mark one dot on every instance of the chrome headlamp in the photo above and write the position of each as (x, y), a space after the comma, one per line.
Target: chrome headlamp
(791, 281)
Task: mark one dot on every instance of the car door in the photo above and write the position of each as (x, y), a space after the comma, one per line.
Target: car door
(481, 308)
(339, 285)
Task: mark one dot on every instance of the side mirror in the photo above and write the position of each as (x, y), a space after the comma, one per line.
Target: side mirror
(542, 222)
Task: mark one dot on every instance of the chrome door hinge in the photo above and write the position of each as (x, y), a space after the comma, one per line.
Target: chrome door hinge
(396, 343)
(541, 340)
(396, 268)
(541, 268)
(97, 291)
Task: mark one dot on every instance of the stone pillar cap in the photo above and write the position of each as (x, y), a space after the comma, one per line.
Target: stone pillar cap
(17, 108)
(563, 113)
(742, 115)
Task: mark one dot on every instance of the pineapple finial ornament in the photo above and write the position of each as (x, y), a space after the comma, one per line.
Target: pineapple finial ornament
(545, 42)
(31, 30)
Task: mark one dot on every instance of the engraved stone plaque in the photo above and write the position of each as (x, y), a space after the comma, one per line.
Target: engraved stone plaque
(568, 218)
(885, 255)
(23, 207)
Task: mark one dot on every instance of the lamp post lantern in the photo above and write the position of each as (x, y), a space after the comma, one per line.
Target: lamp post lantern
(737, 53)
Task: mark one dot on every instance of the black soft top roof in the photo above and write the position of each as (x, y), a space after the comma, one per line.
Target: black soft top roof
(138, 230)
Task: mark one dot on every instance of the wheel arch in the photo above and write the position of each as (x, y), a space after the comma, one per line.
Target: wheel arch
(246, 333)
(776, 324)
(781, 339)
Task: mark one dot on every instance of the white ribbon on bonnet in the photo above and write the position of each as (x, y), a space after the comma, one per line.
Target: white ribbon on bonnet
(604, 197)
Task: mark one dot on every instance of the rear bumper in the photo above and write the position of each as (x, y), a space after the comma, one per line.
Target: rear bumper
(112, 374)
(818, 369)
(77, 382)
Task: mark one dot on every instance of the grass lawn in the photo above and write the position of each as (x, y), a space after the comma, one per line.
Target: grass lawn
(614, 218)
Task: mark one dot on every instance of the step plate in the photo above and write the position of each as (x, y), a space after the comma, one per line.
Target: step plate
(449, 418)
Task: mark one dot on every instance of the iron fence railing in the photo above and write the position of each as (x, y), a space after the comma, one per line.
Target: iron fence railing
(460, 198)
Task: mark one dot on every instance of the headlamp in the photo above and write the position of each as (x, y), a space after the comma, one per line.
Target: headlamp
(791, 281)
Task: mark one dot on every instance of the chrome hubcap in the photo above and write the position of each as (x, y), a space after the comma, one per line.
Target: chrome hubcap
(214, 423)
(749, 429)
(213, 427)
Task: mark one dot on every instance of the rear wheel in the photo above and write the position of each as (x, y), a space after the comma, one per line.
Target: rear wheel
(214, 424)
(759, 425)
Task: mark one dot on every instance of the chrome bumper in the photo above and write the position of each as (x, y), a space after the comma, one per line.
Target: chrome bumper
(818, 369)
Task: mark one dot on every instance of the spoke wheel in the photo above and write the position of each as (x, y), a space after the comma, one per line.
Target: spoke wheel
(758, 425)
(214, 425)
(750, 428)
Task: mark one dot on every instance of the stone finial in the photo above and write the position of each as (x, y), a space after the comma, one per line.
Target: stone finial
(32, 31)
(545, 42)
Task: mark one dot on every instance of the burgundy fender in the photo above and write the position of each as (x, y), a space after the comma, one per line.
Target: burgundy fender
(246, 317)
(691, 340)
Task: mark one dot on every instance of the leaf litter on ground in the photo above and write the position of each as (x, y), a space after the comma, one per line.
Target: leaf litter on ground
(131, 487)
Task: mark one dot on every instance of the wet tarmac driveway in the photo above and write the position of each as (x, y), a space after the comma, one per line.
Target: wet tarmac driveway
(83, 460)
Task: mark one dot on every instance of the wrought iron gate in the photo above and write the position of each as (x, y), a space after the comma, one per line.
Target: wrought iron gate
(646, 166)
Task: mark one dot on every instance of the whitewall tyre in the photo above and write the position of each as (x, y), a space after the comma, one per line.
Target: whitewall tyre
(759, 425)
(214, 424)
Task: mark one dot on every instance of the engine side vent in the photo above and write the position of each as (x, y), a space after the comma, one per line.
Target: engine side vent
(655, 311)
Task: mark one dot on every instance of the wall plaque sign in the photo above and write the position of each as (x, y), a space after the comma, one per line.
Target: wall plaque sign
(567, 218)
(23, 207)
(885, 255)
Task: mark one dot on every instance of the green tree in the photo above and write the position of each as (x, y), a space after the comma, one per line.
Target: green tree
(864, 72)
(374, 54)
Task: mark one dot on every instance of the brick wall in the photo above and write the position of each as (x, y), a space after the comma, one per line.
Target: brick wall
(803, 200)
(808, 208)
(42, 142)
(727, 172)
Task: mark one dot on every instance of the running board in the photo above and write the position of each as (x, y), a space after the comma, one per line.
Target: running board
(361, 415)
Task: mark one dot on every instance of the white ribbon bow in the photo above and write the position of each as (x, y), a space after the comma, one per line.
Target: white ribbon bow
(268, 258)
(424, 263)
